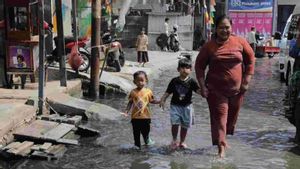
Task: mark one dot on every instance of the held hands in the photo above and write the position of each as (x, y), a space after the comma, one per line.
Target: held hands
(162, 104)
(204, 92)
(244, 88)
(125, 114)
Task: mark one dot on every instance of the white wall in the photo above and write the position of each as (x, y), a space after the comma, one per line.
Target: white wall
(288, 2)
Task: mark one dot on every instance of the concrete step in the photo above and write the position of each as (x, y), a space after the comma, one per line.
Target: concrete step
(13, 116)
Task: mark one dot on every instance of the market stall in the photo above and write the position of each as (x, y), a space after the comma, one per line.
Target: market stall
(22, 40)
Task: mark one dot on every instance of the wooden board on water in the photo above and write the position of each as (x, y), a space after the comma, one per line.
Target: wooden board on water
(58, 131)
(36, 129)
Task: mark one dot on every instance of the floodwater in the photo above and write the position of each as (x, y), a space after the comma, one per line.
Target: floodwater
(262, 139)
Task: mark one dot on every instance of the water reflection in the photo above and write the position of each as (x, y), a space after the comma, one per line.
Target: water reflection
(261, 141)
(273, 140)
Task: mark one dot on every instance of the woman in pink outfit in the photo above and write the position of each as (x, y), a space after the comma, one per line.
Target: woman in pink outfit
(231, 65)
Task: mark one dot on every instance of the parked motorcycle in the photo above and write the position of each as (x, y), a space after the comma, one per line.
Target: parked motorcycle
(169, 43)
(114, 54)
(174, 41)
(70, 42)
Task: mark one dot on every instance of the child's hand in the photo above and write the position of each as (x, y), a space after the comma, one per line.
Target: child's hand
(162, 105)
(124, 114)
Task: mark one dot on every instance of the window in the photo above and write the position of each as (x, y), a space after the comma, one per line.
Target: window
(34, 22)
(293, 30)
(18, 19)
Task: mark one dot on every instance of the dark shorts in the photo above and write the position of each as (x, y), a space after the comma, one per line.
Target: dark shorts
(142, 56)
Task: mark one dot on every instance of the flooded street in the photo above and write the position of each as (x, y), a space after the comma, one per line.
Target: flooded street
(262, 139)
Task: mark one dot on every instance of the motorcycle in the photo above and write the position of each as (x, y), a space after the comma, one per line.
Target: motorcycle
(70, 42)
(174, 42)
(114, 54)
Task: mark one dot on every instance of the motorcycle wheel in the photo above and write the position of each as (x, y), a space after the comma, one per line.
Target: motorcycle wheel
(175, 48)
(122, 59)
(110, 60)
(86, 62)
(117, 66)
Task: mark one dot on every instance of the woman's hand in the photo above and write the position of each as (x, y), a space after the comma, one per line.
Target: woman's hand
(244, 88)
(245, 83)
(204, 91)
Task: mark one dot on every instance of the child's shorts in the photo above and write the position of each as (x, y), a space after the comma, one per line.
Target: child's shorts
(182, 115)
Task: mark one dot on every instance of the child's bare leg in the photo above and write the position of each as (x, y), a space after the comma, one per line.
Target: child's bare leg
(183, 133)
(174, 143)
(175, 132)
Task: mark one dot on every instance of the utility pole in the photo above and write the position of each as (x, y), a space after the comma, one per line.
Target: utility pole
(61, 44)
(74, 19)
(95, 45)
(41, 57)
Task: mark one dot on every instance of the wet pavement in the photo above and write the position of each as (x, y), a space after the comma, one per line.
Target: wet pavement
(262, 139)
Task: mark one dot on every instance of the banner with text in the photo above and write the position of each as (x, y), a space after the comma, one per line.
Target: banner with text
(248, 13)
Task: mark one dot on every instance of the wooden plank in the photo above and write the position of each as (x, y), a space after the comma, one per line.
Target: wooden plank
(45, 146)
(41, 155)
(57, 118)
(57, 150)
(58, 132)
(74, 120)
(23, 149)
(12, 145)
(36, 147)
(68, 141)
(36, 129)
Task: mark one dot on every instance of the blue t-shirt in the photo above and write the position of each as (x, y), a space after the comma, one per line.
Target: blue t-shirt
(294, 49)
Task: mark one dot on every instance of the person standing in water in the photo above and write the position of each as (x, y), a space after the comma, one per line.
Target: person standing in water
(231, 65)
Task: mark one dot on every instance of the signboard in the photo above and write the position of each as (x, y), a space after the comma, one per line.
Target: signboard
(250, 5)
(19, 57)
(248, 13)
(243, 21)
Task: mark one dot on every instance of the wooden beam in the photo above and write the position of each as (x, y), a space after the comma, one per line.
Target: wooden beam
(58, 132)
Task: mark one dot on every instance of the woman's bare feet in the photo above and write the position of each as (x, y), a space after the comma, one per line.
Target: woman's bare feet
(221, 152)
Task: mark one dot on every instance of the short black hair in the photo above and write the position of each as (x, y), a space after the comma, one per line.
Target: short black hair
(140, 72)
(21, 57)
(167, 19)
(221, 18)
(184, 63)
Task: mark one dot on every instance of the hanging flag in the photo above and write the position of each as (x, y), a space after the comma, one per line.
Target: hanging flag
(108, 7)
(206, 16)
(213, 2)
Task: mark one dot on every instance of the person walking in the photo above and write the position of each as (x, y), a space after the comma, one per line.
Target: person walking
(231, 64)
(181, 113)
(138, 106)
(167, 32)
(142, 48)
(167, 27)
(251, 38)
